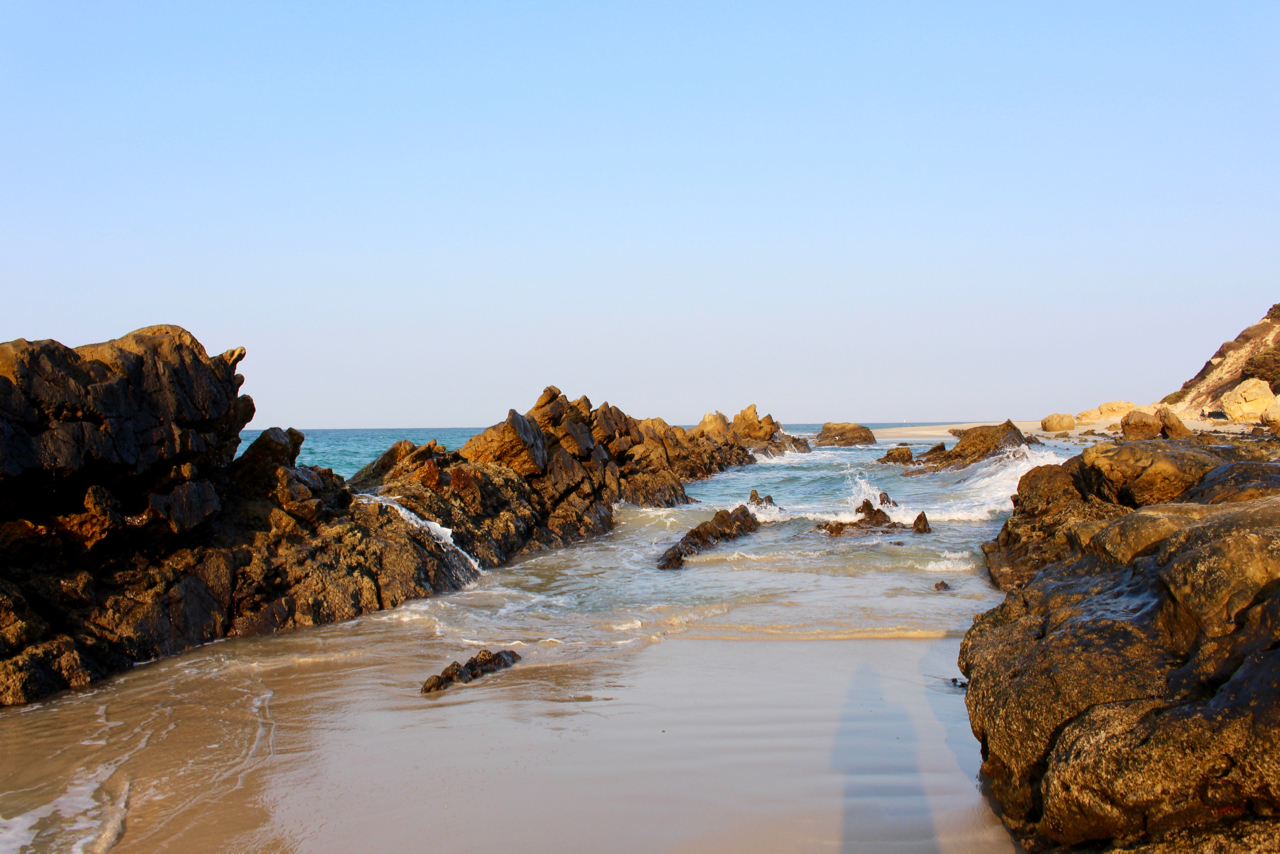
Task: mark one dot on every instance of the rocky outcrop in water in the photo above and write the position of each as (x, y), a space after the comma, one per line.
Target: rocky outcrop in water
(900, 455)
(976, 444)
(1125, 691)
(843, 435)
(478, 665)
(127, 531)
(763, 436)
(725, 525)
(549, 477)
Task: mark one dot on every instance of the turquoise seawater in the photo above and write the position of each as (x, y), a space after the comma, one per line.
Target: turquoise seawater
(346, 451)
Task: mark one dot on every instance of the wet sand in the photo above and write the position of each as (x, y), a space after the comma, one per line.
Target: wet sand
(691, 746)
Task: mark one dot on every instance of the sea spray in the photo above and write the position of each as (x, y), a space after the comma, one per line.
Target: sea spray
(442, 535)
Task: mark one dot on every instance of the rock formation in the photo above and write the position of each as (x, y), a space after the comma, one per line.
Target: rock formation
(1106, 412)
(1246, 402)
(725, 525)
(1125, 692)
(127, 531)
(760, 435)
(549, 477)
(478, 665)
(843, 435)
(1253, 355)
(1057, 422)
(874, 520)
(977, 443)
(900, 455)
(1127, 695)
(1059, 508)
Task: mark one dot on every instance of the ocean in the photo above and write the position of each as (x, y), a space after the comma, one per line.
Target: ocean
(806, 682)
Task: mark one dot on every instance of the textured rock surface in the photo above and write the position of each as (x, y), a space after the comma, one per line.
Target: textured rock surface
(900, 455)
(1059, 508)
(551, 476)
(1247, 400)
(761, 435)
(843, 435)
(127, 532)
(725, 525)
(1138, 425)
(1057, 422)
(977, 443)
(1130, 695)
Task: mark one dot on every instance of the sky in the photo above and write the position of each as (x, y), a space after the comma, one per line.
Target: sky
(419, 215)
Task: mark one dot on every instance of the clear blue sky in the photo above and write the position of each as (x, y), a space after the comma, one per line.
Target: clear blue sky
(420, 215)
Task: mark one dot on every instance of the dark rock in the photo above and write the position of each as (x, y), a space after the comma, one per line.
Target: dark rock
(1233, 482)
(756, 501)
(977, 443)
(1051, 516)
(921, 524)
(900, 455)
(725, 525)
(942, 585)
(1127, 696)
(127, 531)
(874, 520)
(886, 501)
(843, 435)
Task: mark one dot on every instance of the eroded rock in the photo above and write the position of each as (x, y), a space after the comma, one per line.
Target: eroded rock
(843, 435)
(1129, 693)
(725, 525)
(478, 665)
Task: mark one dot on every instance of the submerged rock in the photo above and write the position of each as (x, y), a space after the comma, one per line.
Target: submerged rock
(478, 665)
(843, 435)
(725, 525)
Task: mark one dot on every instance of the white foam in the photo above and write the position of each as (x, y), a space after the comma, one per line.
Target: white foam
(438, 532)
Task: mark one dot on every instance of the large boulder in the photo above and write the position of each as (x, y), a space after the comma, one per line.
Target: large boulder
(1136, 474)
(1246, 402)
(1137, 425)
(1057, 422)
(136, 416)
(1126, 696)
(1270, 417)
(843, 435)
